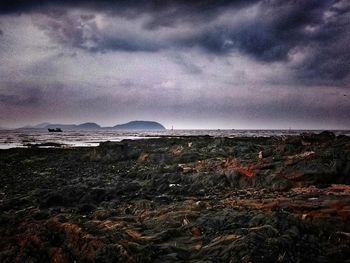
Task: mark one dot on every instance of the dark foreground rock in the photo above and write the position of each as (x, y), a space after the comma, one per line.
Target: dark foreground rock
(188, 199)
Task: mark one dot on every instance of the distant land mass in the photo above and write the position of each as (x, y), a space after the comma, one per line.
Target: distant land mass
(140, 125)
(132, 125)
(41, 125)
(83, 126)
(89, 125)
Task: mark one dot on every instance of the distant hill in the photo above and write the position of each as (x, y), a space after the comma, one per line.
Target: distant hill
(132, 125)
(140, 125)
(47, 125)
(41, 125)
(61, 126)
(83, 126)
(89, 125)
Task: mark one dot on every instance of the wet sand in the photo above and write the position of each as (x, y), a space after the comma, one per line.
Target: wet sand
(183, 199)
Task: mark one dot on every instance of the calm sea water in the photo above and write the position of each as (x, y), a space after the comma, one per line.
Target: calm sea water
(81, 138)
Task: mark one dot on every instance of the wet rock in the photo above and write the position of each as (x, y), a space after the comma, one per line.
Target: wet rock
(131, 187)
(233, 178)
(189, 199)
(114, 151)
(188, 157)
(55, 199)
(41, 215)
(265, 230)
(322, 137)
(281, 184)
(112, 253)
(143, 157)
(86, 208)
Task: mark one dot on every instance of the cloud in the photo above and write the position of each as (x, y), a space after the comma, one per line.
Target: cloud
(166, 9)
(189, 67)
(267, 31)
(279, 29)
(81, 30)
(266, 61)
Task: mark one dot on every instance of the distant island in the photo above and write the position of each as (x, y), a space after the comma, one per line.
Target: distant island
(132, 125)
(140, 125)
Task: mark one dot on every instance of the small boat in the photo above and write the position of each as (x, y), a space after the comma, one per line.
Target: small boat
(55, 130)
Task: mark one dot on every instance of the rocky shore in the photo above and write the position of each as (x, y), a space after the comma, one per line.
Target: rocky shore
(181, 199)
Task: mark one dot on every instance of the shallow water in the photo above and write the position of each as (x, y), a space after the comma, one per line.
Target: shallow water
(85, 138)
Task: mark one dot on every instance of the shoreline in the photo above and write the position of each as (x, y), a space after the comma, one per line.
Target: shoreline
(85, 138)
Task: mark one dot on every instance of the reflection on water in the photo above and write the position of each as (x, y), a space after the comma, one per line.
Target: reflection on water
(83, 138)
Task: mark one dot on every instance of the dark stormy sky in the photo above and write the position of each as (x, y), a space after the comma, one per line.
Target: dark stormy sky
(191, 64)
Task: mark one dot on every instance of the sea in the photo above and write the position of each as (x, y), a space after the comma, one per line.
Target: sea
(20, 138)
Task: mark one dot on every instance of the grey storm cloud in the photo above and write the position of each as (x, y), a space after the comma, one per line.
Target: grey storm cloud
(284, 26)
(171, 8)
(27, 94)
(174, 57)
(278, 29)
